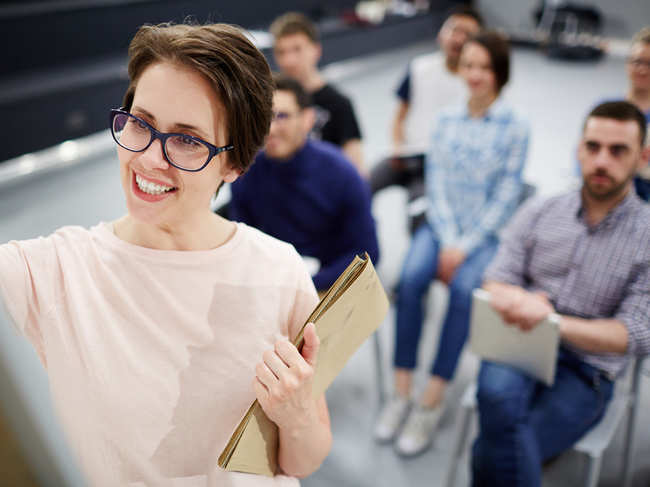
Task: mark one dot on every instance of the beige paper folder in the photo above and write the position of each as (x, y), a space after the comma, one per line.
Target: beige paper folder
(348, 313)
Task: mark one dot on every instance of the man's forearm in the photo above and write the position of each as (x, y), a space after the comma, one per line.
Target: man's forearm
(354, 152)
(518, 306)
(398, 123)
(595, 336)
(498, 287)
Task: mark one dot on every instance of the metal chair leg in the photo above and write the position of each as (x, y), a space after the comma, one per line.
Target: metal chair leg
(593, 470)
(628, 446)
(459, 446)
(379, 368)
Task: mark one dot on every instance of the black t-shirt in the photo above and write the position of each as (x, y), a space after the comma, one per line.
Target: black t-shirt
(335, 119)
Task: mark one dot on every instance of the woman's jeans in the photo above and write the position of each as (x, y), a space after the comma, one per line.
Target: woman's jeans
(523, 423)
(420, 268)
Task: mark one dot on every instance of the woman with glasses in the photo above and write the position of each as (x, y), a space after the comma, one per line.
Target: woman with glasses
(638, 93)
(159, 329)
(638, 74)
(473, 185)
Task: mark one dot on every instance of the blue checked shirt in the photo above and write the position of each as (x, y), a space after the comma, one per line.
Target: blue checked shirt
(473, 173)
(589, 272)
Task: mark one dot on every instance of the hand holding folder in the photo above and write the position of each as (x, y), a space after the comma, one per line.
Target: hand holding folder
(350, 311)
(283, 382)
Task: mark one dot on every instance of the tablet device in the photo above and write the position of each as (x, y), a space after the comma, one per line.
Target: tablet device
(534, 351)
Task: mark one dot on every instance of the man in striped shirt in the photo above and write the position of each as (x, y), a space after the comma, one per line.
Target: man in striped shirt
(586, 256)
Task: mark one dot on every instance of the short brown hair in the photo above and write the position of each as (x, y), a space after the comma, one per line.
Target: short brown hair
(294, 23)
(499, 49)
(642, 36)
(622, 111)
(236, 69)
(465, 11)
(285, 83)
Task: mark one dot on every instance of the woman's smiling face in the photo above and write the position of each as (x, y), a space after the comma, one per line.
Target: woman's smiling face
(476, 69)
(174, 98)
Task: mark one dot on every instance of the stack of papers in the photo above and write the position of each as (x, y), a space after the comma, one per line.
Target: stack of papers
(350, 311)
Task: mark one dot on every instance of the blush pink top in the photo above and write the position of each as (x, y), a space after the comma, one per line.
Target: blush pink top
(151, 353)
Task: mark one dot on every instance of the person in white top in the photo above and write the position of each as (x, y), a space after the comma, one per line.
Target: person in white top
(159, 329)
(430, 83)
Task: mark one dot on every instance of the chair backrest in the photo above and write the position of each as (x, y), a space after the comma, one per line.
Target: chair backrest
(528, 191)
(637, 370)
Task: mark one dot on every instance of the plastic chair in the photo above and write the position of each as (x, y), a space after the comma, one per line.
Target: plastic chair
(592, 444)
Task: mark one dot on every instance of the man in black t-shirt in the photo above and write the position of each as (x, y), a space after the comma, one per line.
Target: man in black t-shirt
(297, 50)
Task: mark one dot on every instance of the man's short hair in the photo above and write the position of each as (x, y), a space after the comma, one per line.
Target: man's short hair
(282, 82)
(465, 11)
(499, 49)
(623, 111)
(294, 23)
(642, 36)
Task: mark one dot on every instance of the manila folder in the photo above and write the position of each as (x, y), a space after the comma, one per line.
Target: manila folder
(351, 310)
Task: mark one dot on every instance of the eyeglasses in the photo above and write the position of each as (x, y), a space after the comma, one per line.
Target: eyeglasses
(282, 117)
(639, 63)
(182, 151)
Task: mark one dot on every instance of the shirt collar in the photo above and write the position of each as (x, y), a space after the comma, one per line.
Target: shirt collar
(495, 110)
(294, 163)
(627, 205)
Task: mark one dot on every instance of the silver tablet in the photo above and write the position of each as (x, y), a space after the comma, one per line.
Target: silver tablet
(534, 351)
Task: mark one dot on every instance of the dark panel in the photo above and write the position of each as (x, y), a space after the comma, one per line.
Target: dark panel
(40, 122)
(65, 68)
(40, 39)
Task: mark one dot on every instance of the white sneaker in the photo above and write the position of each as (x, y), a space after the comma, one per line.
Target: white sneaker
(391, 418)
(417, 434)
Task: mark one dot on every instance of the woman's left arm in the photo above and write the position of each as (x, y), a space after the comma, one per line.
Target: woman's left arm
(283, 386)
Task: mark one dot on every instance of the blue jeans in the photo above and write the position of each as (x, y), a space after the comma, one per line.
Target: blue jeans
(524, 423)
(419, 271)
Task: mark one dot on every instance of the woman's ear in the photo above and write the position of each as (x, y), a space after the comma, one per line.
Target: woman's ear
(230, 174)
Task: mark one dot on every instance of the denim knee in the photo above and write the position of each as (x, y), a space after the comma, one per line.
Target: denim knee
(460, 292)
(467, 278)
(413, 283)
(502, 396)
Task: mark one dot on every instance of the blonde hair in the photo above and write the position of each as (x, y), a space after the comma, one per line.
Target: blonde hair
(642, 36)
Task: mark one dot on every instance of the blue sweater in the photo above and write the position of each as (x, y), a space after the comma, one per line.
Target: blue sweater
(316, 201)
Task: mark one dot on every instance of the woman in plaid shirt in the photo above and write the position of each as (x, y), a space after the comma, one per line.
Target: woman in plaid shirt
(473, 179)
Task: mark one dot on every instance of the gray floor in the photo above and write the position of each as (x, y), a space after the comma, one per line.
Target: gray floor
(554, 96)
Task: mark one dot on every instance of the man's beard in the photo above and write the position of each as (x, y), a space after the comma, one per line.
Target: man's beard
(605, 195)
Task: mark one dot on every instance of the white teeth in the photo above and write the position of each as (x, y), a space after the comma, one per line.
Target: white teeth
(149, 187)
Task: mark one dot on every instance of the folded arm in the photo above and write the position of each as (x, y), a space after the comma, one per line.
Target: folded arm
(526, 310)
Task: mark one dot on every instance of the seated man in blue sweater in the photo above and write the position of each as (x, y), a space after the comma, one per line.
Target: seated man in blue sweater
(306, 192)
